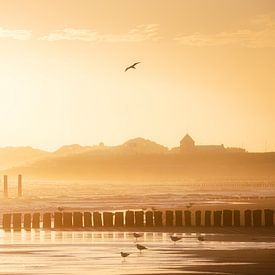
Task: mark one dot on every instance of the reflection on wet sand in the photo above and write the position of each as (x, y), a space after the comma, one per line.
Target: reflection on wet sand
(80, 252)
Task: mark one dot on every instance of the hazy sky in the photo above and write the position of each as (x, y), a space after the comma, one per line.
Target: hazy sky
(207, 68)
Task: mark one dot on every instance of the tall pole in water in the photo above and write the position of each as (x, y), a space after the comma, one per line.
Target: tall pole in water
(5, 186)
(19, 186)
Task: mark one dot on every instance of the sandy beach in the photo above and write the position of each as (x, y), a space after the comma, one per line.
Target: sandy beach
(71, 252)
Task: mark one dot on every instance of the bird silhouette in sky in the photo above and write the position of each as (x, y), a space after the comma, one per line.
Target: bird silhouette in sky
(132, 66)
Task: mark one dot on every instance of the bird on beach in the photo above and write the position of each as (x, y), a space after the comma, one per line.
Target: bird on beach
(201, 238)
(190, 205)
(137, 235)
(175, 238)
(124, 255)
(141, 247)
(132, 66)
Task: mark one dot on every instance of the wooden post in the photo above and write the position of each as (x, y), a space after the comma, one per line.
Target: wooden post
(97, 221)
(57, 220)
(36, 221)
(129, 218)
(169, 218)
(207, 221)
(27, 221)
(247, 218)
(178, 217)
(268, 217)
(6, 194)
(119, 219)
(257, 218)
(158, 218)
(218, 218)
(227, 217)
(198, 218)
(139, 218)
(20, 186)
(149, 221)
(16, 221)
(67, 220)
(6, 222)
(108, 219)
(237, 218)
(47, 221)
(87, 220)
(187, 218)
(77, 220)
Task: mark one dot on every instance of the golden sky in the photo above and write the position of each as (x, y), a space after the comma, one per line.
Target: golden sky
(207, 68)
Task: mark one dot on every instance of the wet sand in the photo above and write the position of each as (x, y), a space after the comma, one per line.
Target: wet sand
(80, 252)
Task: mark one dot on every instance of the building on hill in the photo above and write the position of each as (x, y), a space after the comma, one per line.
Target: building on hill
(188, 145)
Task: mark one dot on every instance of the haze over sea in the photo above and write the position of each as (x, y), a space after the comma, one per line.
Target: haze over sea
(104, 195)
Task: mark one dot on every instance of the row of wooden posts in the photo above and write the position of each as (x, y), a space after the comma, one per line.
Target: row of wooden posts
(169, 218)
(19, 187)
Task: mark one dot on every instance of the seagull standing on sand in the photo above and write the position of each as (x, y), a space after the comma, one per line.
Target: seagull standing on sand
(132, 66)
(201, 238)
(124, 255)
(141, 247)
(175, 238)
(137, 235)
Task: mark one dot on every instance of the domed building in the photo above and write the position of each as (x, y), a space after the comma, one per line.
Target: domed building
(187, 143)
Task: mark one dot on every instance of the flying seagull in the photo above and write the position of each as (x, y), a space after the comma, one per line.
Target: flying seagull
(132, 66)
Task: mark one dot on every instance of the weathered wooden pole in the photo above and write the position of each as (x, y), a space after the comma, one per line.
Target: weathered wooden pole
(247, 218)
(257, 218)
(119, 219)
(169, 218)
(47, 221)
(57, 220)
(129, 218)
(139, 218)
(268, 216)
(158, 218)
(16, 221)
(237, 218)
(108, 219)
(36, 220)
(88, 219)
(77, 220)
(187, 218)
(207, 219)
(218, 218)
(178, 217)
(27, 221)
(6, 194)
(198, 218)
(227, 217)
(149, 220)
(20, 192)
(6, 222)
(67, 220)
(97, 221)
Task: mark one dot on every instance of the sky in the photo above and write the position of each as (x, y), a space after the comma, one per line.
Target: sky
(207, 68)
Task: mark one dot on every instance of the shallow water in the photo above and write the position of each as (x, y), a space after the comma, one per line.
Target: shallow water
(47, 196)
(68, 252)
